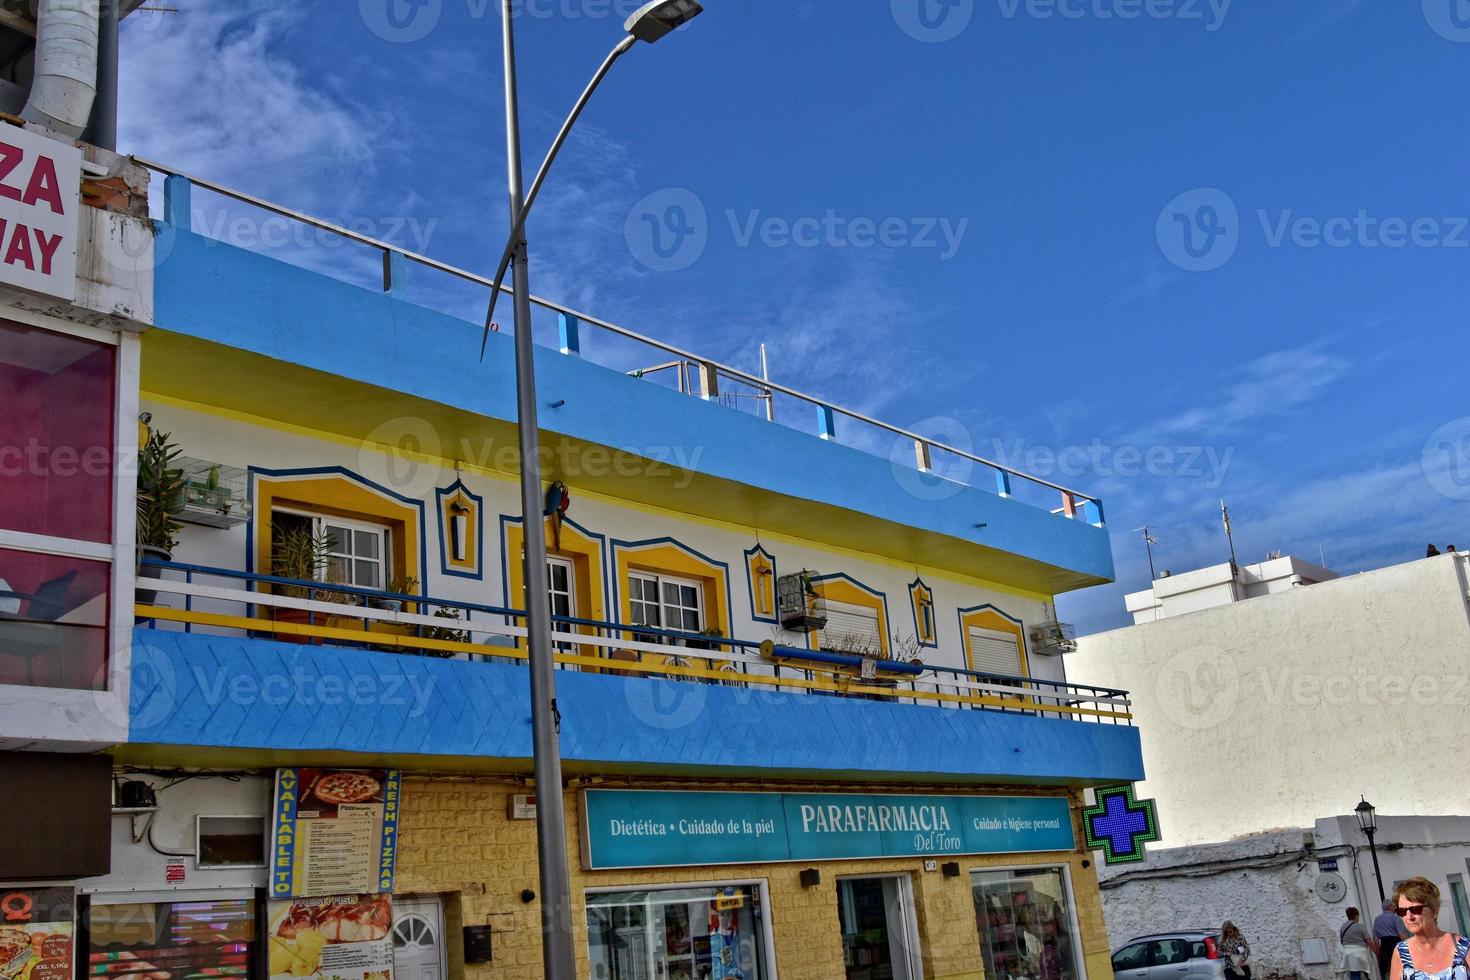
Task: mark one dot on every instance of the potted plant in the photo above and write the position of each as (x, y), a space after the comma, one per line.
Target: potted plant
(299, 552)
(408, 585)
(160, 501)
(447, 634)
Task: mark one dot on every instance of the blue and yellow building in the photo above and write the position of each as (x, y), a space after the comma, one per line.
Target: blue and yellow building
(814, 712)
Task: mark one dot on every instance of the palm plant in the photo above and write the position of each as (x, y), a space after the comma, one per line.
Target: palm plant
(161, 494)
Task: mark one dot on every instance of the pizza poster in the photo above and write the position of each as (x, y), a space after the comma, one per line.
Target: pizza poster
(334, 832)
(36, 933)
(344, 937)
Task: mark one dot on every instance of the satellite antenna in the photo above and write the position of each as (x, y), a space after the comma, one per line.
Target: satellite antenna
(1148, 543)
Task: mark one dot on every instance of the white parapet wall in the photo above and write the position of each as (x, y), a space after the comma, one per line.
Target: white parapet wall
(1266, 713)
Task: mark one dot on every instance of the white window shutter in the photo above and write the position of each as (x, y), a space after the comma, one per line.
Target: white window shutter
(851, 625)
(992, 651)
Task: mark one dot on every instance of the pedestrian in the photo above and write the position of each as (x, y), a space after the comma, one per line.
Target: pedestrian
(1358, 947)
(1429, 953)
(1389, 930)
(1237, 953)
(1433, 551)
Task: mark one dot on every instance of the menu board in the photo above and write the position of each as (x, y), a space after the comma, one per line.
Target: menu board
(335, 832)
(36, 934)
(347, 937)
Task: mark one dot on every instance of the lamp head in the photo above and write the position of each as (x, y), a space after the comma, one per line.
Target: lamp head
(1367, 816)
(658, 18)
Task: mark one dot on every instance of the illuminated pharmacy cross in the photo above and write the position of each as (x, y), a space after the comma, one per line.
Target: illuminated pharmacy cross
(1121, 825)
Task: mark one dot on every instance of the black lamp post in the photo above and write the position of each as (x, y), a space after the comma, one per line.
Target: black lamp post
(1368, 823)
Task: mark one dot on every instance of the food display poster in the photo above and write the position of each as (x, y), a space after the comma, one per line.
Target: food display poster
(346, 937)
(36, 933)
(334, 832)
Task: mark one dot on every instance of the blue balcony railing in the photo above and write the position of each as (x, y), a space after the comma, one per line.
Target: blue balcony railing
(197, 598)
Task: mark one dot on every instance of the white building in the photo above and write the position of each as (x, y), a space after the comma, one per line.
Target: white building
(1266, 707)
(1206, 588)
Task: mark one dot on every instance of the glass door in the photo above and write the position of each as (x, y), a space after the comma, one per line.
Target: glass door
(879, 941)
(1025, 923)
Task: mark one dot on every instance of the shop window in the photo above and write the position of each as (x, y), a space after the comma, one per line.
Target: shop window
(53, 621)
(183, 940)
(1025, 924)
(56, 434)
(678, 934)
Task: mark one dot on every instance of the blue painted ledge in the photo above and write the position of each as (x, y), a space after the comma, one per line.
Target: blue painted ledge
(267, 696)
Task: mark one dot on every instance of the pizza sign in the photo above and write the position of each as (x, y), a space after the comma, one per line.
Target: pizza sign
(40, 198)
(335, 832)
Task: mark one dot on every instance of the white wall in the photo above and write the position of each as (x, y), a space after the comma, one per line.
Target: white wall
(236, 443)
(138, 867)
(1263, 714)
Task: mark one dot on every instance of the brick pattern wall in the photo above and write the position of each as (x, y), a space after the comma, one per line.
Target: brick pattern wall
(457, 840)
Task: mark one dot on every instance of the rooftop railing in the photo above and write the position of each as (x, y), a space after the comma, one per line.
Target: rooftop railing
(229, 602)
(701, 376)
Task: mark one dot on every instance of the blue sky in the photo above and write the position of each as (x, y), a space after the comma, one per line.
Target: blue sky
(1209, 250)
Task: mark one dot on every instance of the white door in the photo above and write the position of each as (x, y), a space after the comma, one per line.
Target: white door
(418, 939)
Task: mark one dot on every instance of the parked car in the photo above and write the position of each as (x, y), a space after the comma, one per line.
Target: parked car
(1190, 954)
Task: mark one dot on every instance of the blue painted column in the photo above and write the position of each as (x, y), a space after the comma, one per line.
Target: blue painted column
(1002, 483)
(826, 423)
(178, 196)
(571, 338)
(1092, 512)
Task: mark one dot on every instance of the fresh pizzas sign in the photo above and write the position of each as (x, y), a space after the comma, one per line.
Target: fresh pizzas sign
(40, 195)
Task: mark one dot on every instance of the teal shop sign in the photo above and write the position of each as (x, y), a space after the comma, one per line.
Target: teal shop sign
(658, 829)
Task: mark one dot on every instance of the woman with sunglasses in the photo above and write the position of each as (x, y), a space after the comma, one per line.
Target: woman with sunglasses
(1429, 953)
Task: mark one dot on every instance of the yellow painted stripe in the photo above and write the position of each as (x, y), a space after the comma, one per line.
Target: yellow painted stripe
(467, 466)
(840, 686)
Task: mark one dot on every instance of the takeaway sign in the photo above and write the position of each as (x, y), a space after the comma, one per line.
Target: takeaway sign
(40, 196)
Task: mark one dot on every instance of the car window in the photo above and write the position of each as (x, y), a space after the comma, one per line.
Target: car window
(1197, 950)
(1164, 952)
(1133, 957)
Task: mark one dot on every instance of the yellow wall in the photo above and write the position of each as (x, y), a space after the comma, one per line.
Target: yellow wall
(456, 839)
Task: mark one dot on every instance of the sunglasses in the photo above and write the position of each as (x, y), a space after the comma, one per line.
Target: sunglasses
(1416, 910)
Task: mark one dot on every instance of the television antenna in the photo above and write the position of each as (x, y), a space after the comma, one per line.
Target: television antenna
(1148, 543)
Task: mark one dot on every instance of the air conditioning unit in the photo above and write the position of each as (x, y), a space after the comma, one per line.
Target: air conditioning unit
(1053, 638)
(799, 605)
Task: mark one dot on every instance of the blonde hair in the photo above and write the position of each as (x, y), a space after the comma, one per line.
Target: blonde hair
(1420, 891)
(1228, 928)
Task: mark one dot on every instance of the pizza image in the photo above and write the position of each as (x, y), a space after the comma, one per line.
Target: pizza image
(363, 921)
(346, 787)
(15, 951)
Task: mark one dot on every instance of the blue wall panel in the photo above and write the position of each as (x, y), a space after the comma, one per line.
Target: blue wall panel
(218, 292)
(191, 689)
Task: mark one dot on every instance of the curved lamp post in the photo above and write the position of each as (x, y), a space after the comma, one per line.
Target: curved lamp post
(651, 22)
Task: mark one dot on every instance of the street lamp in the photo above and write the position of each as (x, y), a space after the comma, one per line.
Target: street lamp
(651, 22)
(1368, 824)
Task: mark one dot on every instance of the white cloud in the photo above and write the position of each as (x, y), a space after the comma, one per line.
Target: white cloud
(205, 90)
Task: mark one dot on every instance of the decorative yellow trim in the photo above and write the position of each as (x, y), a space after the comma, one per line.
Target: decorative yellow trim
(669, 559)
(469, 509)
(990, 619)
(843, 590)
(333, 495)
(762, 572)
(921, 597)
(585, 554)
(444, 462)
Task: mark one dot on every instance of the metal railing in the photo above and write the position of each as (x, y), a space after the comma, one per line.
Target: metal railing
(248, 604)
(1074, 504)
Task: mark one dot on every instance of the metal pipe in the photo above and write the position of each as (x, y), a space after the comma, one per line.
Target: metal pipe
(65, 81)
(602, 324)
(102, 131)
(558, 961)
